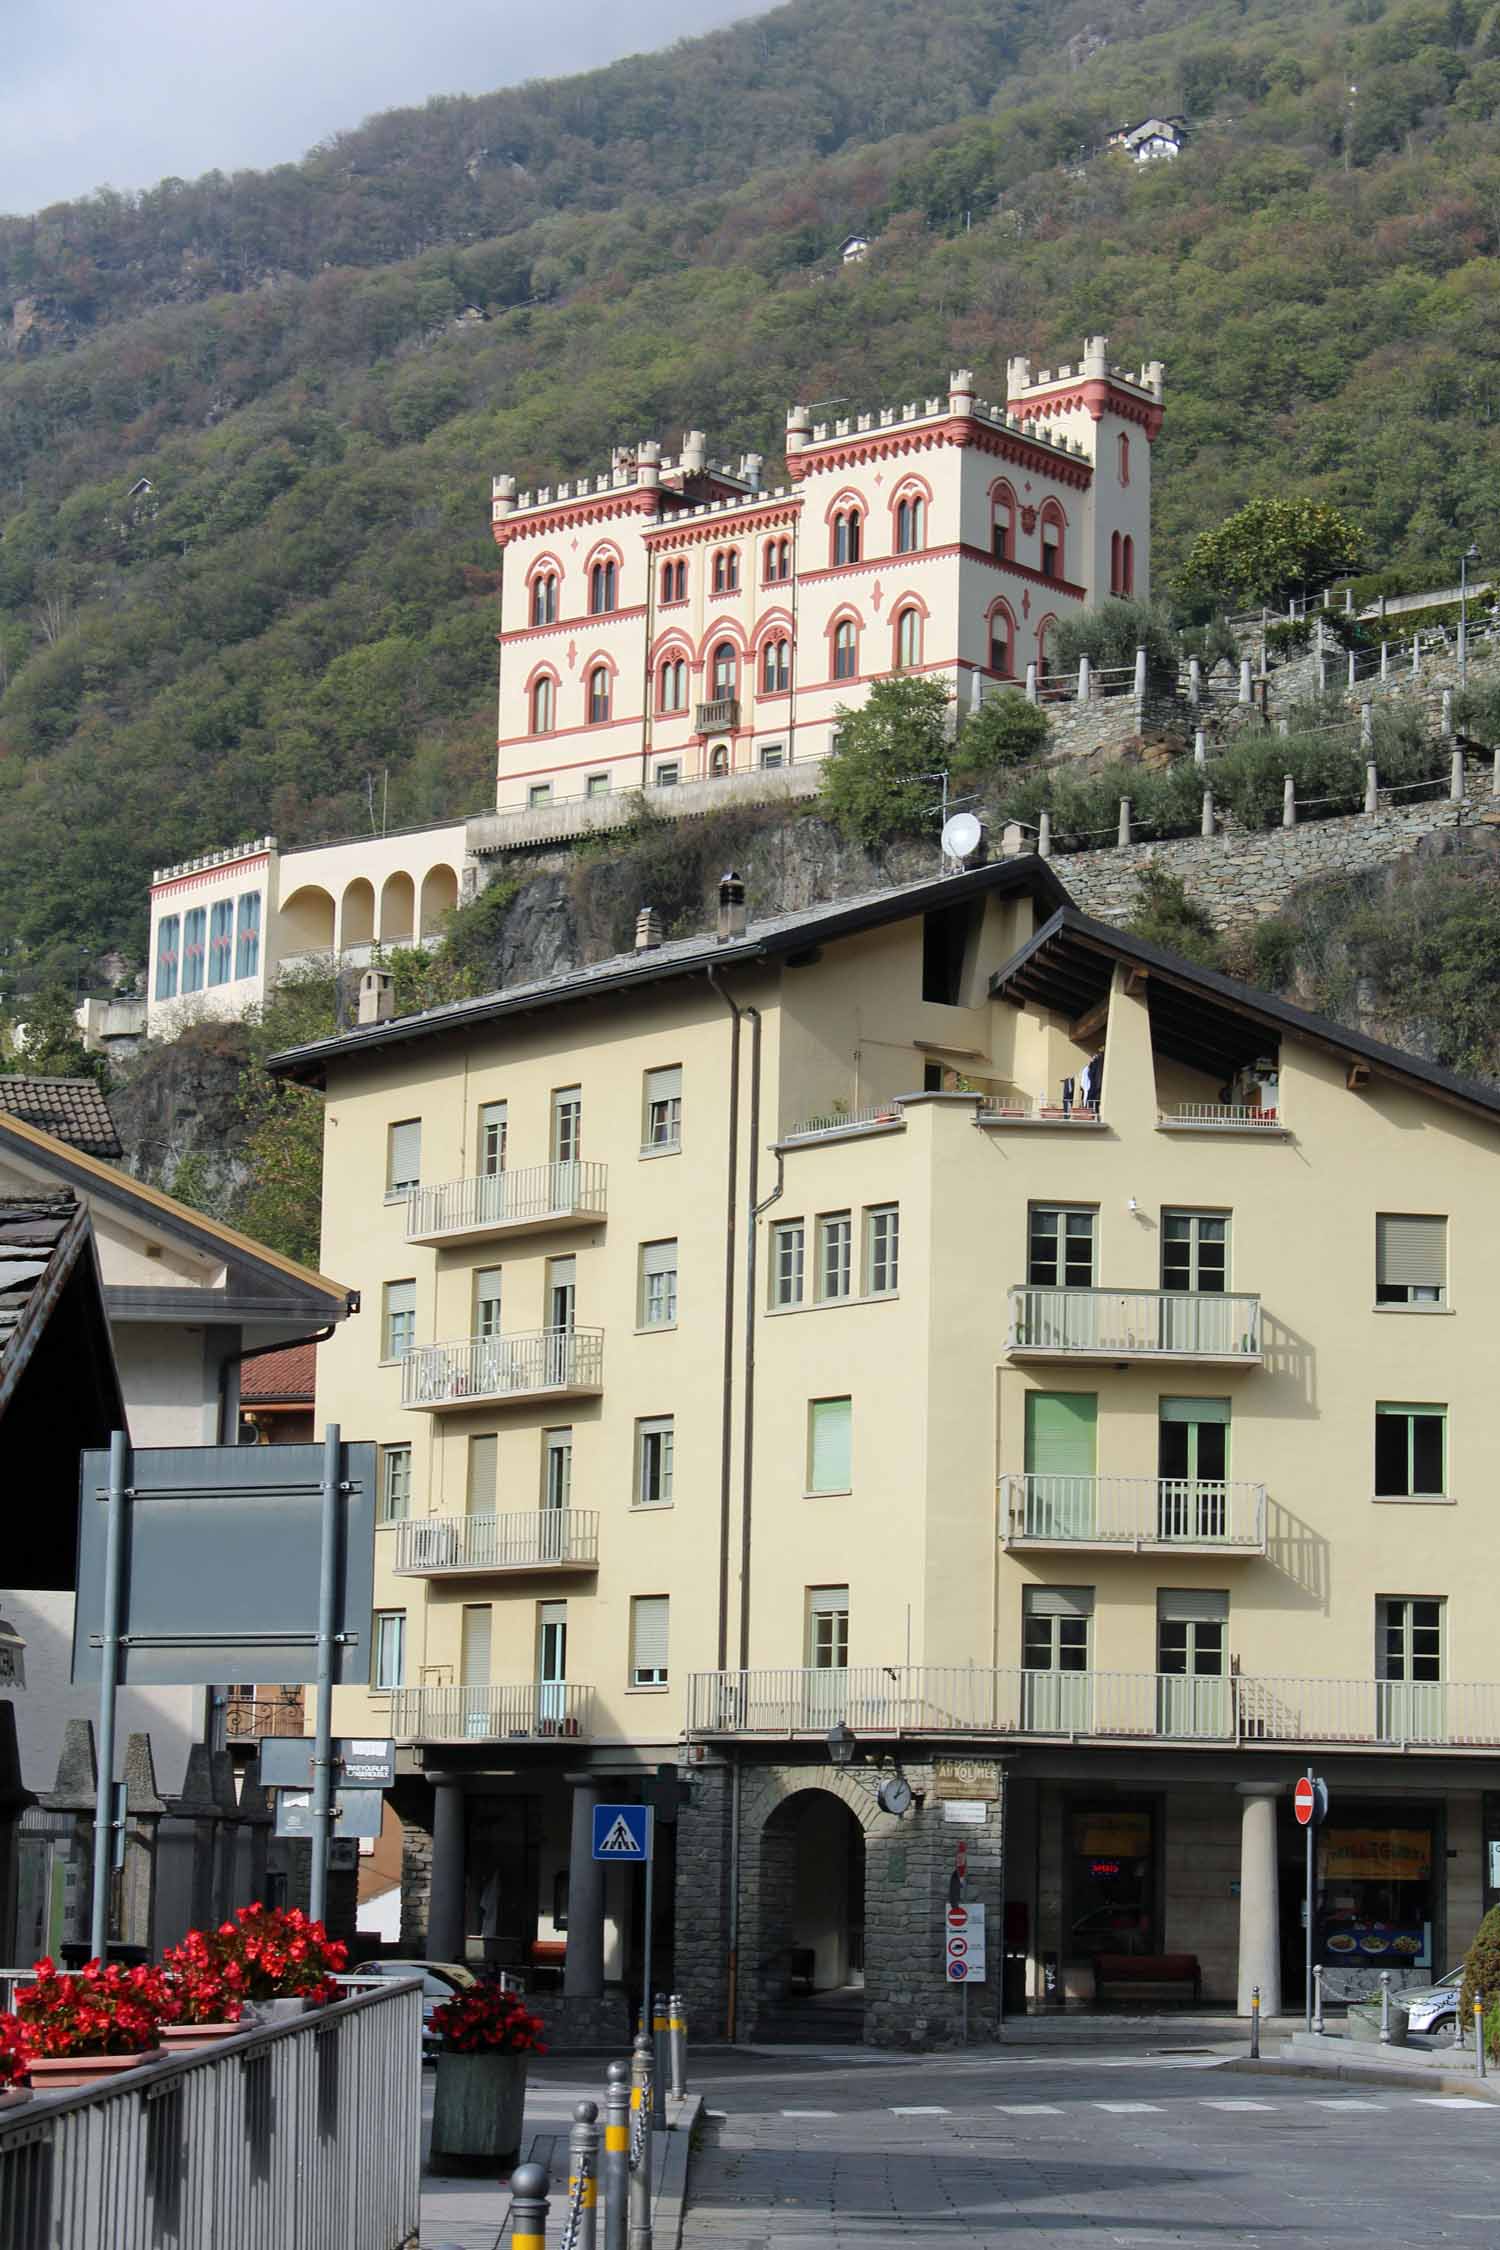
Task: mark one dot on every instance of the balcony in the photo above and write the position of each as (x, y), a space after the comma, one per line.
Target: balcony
(721, 716)
(533, 1711)
(530, 1539)
(1144, 1709)
(1221, 1117)
(1134, 1324)
(542, 1195)
(492, 1370)
(1135, 1515)
(246, 1718)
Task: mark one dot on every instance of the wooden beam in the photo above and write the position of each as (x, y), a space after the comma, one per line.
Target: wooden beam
(1093, 1019)
(1136, 980)
(1357, 1075)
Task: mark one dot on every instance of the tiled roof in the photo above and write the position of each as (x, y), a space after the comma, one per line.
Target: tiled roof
(279, 1377)
(70, 1109)
(31, 1229)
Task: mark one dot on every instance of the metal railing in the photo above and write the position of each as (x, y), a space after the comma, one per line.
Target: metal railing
(997, 1107)
(1237, 1116)
(528, 1539)
(495, 1367)
(528, 1711)
(300, 2136)
(245, 1718)
(1041, 1509)
(1132, 1323)
(506, 1199)
(844, 1121)
(719, 716)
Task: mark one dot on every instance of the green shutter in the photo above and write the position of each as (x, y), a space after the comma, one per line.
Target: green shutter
(1194, 1409)
(1060, 1433)
(830, 1447)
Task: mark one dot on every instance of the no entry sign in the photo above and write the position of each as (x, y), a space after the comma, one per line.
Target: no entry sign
(963, 1947)
(1310, 1800)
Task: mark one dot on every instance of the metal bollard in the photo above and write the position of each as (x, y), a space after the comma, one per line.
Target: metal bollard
(616, 2154)
(677, 2033)
(583, 2178)
(659, 2063)
(1318, 2000)
(1479, 2039)
(638, 2236)
(1385, 2007)
(528, 2208)
(1255, 2023)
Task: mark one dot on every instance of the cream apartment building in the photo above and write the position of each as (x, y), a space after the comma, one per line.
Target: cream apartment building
(933, 1343)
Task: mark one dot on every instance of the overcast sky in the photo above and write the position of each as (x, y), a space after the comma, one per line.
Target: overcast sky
(122, 93)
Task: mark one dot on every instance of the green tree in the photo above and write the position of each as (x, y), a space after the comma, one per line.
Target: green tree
(1164, 915)
(1005, 731)
(882, 778)
(47, 1043)
(1269, 549)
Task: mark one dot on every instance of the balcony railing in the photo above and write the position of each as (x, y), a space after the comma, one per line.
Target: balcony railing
(1133, 1324)
(530, 1539)
(1233, 1710)
(245, 1718)
(535, 1710)
(719, 717)
(1225, 1117)
(1041, 1509)
(563, 1362)
(541, 1195)
(836, 1120)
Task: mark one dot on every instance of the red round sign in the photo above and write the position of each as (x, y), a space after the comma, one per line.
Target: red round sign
(1303, 1801)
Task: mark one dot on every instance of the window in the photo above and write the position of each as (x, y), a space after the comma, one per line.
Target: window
(846, 536)
(772, 755)
(1411, 1452)
(567, 1124)
(727, 571)
(1192, 1462)
(403, 1156)
(1194, 1251)
(1122, 444)
(474, 1655)
(830, 1436)
(390, 1648)
(1114, 562)
(674, 581)
(551, 1657)
(1055, 1623)
(603, 582)
(1061, 1460)
(653, 1462)
(1001, 643)
(908, 639)
(247, 943)
(668, 775)
(882, 1249)
(718, 761)
(194, 933)
(542, 704)
(726, 670)
(911, 525)
(778, 560)
(1052, 541)
(1127, 566)
(492, 1130)
(538, 795)
(776, 667)
(657, 1301)
(598, 694)
(1060, 1247)
(597, 785)
(398, 1322)
(788, 1243)
(648, 1640)
(845, 650)
(395, 1484)
(1411, 1259)
(1192, 1689)
(167, 933)
(482, 1476)
(663, 1125)
(835, 1235)
(672, 685)
(562, 1294)
(1409, 1631)
(544, 598)
(486, 1301)
(828, 1628)
(1003, 524)
(557, 1468)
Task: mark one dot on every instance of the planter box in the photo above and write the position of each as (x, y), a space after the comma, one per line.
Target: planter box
(176, 2036)
(54, 2074)
(11, 2097)
(476, 2113)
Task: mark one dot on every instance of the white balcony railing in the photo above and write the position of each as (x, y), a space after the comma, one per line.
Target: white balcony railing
(836, 1120)
(1227, 1117)
(559, 1360)
(1134, 1324)
(1041, 1509)
(529, 1711)
(538, 1195)
(528, 1539)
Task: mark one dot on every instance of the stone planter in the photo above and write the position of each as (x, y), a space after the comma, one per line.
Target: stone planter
(476, 2112)
(55, 2074)
(176, 2037)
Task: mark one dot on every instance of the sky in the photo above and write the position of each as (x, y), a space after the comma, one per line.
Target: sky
(122, 93)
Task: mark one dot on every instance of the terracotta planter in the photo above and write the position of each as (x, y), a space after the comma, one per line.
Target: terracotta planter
(54, 2074)
(477, 2106)
(176, 2036)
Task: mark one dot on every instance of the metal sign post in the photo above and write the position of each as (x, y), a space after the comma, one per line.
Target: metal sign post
(322, 1762)
(625, 1836)
(1310, 1804)
(109, 1679)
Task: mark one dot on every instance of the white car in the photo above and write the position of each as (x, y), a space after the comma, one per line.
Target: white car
(1434, 2008)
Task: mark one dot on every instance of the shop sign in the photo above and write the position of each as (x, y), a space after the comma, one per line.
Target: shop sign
(1374, 1855)
(1112, 1835)
(965, 1778)
(965, 1812)
(1495, 1867)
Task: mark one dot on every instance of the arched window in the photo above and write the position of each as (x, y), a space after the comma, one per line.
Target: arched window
(1124, 445)
(544, 598)
(674, 581)
(776, 667)
(598, 694)
(845, 650)
(603, 584)
(542, 705)
(718, 759)
(778, 560)
(1127, 567)
(1114, 562)
(846, 535)
(726, 670)
(1002, 632)
(911, 524)
(672, 692)
(726, 570)
(908, 639)
(1052, 541)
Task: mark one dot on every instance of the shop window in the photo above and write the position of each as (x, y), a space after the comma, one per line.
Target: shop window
(1411, 1259)
(1111, 1881)
(1376, 1900)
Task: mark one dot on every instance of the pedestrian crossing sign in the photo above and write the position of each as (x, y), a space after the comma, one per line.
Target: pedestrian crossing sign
(622, 1833)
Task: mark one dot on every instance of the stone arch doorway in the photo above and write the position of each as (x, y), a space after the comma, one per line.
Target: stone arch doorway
(810, 1889)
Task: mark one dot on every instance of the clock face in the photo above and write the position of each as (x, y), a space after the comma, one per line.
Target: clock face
(895, 1796)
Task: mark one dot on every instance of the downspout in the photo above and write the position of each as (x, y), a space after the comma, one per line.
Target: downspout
(748, 1445)
(726, 1446)
(257, 1351)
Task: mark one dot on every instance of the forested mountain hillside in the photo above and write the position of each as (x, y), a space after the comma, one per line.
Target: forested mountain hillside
(316, 370)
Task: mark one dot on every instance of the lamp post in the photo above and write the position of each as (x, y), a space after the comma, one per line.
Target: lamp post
(12, 1656)
(1470, 554)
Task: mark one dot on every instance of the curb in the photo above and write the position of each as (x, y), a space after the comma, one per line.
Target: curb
(683, 2113)
(1372, 2074)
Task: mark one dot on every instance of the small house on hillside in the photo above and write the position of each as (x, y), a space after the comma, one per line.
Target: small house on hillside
(1150, 139)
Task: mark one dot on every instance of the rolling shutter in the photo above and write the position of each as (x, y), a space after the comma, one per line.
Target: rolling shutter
(1410, 1252)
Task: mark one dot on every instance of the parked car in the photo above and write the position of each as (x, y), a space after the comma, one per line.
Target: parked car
(1434, 2008)
(440, 1981)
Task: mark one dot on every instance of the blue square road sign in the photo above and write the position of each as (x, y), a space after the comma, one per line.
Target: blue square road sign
(622, 1834)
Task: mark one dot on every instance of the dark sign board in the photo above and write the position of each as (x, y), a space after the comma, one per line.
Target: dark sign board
(357, 1812)
(221, 1566)
(360, 1761)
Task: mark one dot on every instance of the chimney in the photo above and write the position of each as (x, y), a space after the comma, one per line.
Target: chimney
(647, 930)
(731, 907)
(377, 996)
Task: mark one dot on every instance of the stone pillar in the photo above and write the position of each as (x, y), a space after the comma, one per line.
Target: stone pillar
(1288, 801)
(1456, 780)
(1372, 787)
(1032, 696)
(1447, 723)
(702, 1903)
(1416, 652)
(1140, 674)
(1195, 682)
(583, 1972)
(1366, 724)
(1385, 660)
(1353, 669)
(1247, 693)
(1200, 747)
(1124, 830)
(1208, 812)
(1044, 827)
(445, 1917)
(1260, 1914)
(1084, 683)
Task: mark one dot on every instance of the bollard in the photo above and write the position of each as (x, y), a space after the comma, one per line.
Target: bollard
(1044, 827)
(1456, 780)
(1372, 787)
(616, 2154)
(1366, 724)
(1385, 2007)
(1124, 829)
(1479, 2038)
(638, 2234)
(1140, 673)
(1208, 813)
(677, 2032)
(659, 2062)
(1200, 747)
(583, 2178)
(1318, 2000)
(1255, 2023)
(1288, 800)
(1195, 682)
(528, 2208)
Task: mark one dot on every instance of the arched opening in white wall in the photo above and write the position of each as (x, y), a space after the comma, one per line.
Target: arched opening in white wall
(812, 1886)
(357, 914)
(439, 897)
(398, 909)
(305, 922)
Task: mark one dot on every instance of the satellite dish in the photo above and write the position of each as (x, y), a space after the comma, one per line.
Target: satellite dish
(962, 836)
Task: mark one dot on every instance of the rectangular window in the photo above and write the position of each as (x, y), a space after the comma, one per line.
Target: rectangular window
(772, 755)
(491, 1138)
(562, 1294)
(540, 792)
(663, 1108)
(668, 776)
(1061, 1489)
(835, 1240)
(390, 1648)
(487, 1301)
(398, 1320)
(1055, 1628)
(1192, 1462)
(395, 1483)
(474, 1645)
(1409, 1630)
(1060, 1247)
(482, 1479)
(828, 1628)
(830, 1444)
(658, 1285)
(648, 1640)
(597, 785)
(1411, 1452)
(882, 1249)
(247, 941)
(221, 942)
(557, 1468)
(1190, 1632)
(653, 1462)
(194, 938)
(1195, 1251)
(403, 1156)
(167, 932)
(567, 1125)
(1411, 1259)
(788, 1246)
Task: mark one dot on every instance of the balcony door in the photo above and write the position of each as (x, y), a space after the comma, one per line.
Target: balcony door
(1061, 1463)
(1192, 1461)
(1056, 1649)
(551, 1665)
(557, 1492)
(474, 1668)
(493, 1129)
(562, 1296)
(1409, 1663)
(1192, 1684)
(1061, 1313)
(826, 1689)
(1195, 1266)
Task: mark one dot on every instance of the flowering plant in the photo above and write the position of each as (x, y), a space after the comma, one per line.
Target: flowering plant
(12, 2052)
(265, 1953)
(198, 1987)
(485, 2020)
(99, 2010)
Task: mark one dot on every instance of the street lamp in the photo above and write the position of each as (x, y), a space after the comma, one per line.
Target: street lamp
(12, 1656)
(840, 1744)
(892, 1792)
(1470, 554)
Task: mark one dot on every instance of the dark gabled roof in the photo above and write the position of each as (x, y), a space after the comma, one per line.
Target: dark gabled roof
(769, 940)
(47, 1254)
(1199, 1017)
(70, 1109)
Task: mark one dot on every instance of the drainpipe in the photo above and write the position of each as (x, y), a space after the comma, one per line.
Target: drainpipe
(747, 1486)
(227, 1436)
(726, 1446)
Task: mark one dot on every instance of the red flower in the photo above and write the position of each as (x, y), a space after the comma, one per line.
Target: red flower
(100, 2011)
(486, 2020)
